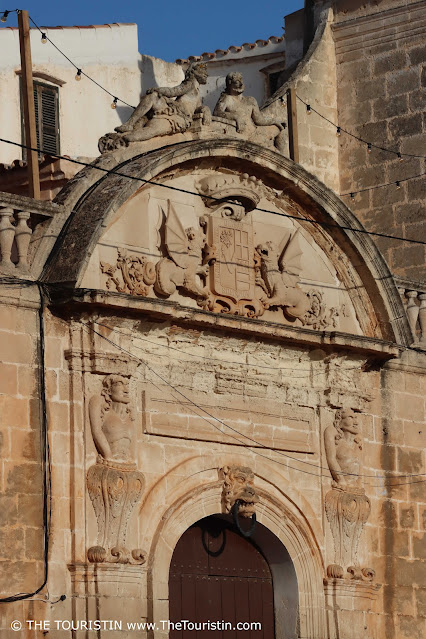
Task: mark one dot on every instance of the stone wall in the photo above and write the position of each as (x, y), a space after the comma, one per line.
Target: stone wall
(314, 81)
(21, 479)
(381, 98)
(395, 442)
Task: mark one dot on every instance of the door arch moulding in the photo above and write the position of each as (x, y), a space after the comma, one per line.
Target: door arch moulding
(276, 511)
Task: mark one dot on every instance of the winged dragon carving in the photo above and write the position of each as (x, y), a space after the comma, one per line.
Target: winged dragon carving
(279, 273)
(187, 264)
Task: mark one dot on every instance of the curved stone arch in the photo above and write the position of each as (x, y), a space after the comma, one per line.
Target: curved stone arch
(293, 532)
(93, 202)
(188, 475)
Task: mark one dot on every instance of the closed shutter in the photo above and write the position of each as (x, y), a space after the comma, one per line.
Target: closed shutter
(46, 105)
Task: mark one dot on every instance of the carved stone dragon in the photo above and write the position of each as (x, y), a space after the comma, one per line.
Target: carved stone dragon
(278, 275)
(185, 264)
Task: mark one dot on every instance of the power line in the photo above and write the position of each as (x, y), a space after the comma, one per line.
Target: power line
(242, 434)
(384, 477)
(226, 407)
(221, 361)
(309, 109)
(216, 199)
(45, 456)
(369, 145)
(79, 71)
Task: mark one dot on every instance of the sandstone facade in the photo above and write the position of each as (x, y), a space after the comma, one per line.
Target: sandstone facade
(198, 332)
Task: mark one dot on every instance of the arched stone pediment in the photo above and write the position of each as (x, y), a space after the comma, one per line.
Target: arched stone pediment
(151, 232)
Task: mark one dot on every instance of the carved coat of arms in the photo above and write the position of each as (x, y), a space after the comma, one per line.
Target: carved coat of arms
(218, 262)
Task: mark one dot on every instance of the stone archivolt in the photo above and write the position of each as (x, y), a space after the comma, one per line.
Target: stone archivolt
(115, 485)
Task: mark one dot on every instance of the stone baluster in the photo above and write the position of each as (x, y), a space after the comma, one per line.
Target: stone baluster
(412, 311)
(23, 236)
(7, 235)
(422, 317)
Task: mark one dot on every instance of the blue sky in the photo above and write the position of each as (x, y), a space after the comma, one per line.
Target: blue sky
(169, 29)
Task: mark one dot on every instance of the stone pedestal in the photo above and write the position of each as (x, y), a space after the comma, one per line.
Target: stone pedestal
(112, 595)
(350, 608)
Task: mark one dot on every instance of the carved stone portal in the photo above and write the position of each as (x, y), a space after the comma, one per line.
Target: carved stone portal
(115, 485)
(346, 505)
(238, 485)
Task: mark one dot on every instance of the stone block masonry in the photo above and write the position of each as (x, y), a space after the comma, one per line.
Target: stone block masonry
(381, 98)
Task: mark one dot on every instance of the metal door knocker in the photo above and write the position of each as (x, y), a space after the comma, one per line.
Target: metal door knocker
(244, 533)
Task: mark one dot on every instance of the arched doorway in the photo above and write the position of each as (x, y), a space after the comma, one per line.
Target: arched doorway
(218, 575)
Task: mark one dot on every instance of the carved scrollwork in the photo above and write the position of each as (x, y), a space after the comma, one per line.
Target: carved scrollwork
(318, 316)
(137, 274)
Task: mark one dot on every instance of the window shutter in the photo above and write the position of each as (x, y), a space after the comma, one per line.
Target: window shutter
(46, 105)
(49, 120)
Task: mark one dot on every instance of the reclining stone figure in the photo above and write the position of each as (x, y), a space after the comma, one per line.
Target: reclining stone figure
(245, 112)
(163, 111)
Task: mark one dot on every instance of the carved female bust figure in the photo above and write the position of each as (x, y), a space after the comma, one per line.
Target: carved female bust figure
(111, 420)
(343, 449)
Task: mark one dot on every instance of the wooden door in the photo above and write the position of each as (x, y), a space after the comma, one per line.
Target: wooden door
(216, 575)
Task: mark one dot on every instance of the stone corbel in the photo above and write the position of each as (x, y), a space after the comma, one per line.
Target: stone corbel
(238, 485)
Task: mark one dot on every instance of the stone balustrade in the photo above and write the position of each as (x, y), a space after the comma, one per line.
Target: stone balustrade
(15, 236)
(19, 216)
(414, 300)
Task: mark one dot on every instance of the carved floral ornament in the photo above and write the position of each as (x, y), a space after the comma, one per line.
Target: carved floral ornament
(218, 262)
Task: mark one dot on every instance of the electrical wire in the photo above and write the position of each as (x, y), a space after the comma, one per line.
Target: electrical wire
(338, 128)
(356, 137)
(45, 454)
(385, 477)
(222, 361)
(216, 199)
(81, 72)
(257, 443)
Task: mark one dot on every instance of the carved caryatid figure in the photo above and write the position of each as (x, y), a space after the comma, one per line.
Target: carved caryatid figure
(245, 112)
(114, 483)
(163, 111)
(346, 505)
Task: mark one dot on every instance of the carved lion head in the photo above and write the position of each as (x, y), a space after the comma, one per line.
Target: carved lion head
(238, 485)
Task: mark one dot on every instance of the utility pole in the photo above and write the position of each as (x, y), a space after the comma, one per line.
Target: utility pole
(293, 135)
(28, 103)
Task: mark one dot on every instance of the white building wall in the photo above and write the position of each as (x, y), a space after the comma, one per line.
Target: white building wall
(108, 53)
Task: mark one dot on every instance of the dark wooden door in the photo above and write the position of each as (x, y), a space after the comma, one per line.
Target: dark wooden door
(216, 575)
